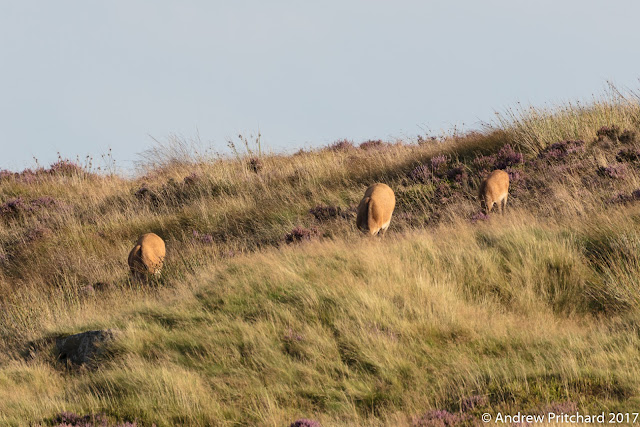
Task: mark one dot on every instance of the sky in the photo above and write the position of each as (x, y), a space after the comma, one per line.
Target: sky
(82, 77)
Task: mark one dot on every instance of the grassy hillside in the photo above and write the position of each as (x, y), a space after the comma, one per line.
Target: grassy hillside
(272, 307)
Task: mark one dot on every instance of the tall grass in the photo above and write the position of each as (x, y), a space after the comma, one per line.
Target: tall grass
(535, 128)
(450, 315)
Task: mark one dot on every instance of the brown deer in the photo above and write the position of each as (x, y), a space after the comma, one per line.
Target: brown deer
(494, 189)
(375, 209)
(147, 256)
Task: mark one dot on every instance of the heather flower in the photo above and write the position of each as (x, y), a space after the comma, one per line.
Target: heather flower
(304, 422)
(480, 216)
(36, 233)
(485, 162)
(341, 145)
(442, 191)
(299, 234)
(507, 156)
(611, 132)
(202, 237)
(515, 175)
(14, 207)
(560, 150)
(324, 213)
(457, 174)
(615, 171)
(64, 419)
(439, 163)
(27, 176)
(422, 174)
(372, 144)
(18, 206)
(65, 167)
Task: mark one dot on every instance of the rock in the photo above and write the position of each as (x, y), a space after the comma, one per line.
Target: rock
(83, 348)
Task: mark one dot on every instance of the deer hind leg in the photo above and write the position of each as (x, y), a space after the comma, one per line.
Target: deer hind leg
(489, 204)
(384, 227)
(504, 203)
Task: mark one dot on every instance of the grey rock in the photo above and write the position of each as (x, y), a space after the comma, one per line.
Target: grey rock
(83, 348)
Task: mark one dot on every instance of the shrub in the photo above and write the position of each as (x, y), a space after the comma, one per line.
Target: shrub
(628, 155)
(615, 171)
(625, 198)
(560, 150)
(442, 192)
(485, 162)
(439, 163)
(608, 132)
(27, 176)
(18, 207)
(422, 174)
(507, 156)
(144, 193)
(457, 174)
(64, 167)
(372, 144)
(627, 136)
(516, 176)
(300, 234)
(341, 145)
(14, 207)
(37, 233)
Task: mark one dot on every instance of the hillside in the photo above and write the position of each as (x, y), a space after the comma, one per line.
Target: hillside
(272, 307)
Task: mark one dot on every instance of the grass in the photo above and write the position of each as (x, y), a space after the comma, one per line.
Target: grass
(450, 315)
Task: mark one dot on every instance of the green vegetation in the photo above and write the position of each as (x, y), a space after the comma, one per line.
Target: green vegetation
(450, 311)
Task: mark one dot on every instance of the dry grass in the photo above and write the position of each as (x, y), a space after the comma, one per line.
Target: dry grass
(516, 313)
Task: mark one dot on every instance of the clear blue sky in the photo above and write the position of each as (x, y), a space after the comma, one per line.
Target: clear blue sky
(82, 76)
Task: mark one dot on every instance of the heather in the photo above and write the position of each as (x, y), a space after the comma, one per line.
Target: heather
(273, 309)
